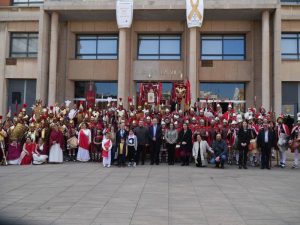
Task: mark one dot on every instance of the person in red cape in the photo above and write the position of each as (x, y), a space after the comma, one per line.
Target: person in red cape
(106, 150)
(84, 141)
(56, 145)
(26, 154)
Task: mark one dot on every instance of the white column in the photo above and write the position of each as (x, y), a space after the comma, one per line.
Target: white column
(192, 65)
(123, 88)
(43, 57)
(277, 62)
(266, 60)
(3, 52)
(53, 59)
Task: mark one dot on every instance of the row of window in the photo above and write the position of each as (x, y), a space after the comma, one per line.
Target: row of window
(155, 47)
(26, 2)
(224, 91)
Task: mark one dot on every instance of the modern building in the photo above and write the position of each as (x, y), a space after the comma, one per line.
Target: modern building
(246, 51)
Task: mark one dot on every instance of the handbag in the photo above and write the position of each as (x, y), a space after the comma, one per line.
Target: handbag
(252, 145)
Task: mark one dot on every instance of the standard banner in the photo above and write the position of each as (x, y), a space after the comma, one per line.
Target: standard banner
(124, 11)
(194, 13)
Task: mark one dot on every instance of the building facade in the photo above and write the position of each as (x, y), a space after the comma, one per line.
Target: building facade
(246, 52)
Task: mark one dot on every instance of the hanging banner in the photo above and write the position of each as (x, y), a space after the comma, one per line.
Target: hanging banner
(124, 11)
(194, 13)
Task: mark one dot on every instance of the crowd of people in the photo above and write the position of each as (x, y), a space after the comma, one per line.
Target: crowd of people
(202, 134)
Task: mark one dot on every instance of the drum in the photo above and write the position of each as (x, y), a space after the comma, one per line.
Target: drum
(73, 142)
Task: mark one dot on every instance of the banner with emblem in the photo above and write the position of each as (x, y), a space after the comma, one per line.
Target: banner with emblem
(124, 12)
(194, 13)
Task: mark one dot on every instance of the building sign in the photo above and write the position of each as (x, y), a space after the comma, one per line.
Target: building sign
(194, 13)
(124, 11)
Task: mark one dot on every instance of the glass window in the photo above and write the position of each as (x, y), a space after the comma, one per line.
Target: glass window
(27, 2)
(224, 47)
(223, 91)
(159, 47)
(104, 90)
(290, 46)
(97, 47)
(23, 45)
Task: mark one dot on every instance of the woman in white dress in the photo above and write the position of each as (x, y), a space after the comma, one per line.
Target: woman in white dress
(56, 145)
(84, 141)
(40, 156)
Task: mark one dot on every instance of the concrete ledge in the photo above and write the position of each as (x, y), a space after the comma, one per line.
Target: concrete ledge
(152, 4)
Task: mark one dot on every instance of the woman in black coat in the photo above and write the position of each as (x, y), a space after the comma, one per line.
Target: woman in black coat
(186, 144)
(244, 137)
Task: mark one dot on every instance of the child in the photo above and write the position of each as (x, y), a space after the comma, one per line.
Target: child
(106, 148)
(132, 148)
(122, 153)
(97, 146)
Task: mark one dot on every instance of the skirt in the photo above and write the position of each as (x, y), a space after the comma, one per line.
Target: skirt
(83, 155)
(39, 159)
(56, 154)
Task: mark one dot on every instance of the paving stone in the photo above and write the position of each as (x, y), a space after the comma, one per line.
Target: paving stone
(86, 193)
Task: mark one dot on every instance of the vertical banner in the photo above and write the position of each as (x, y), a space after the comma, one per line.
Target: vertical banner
(124, 12)
(194, 13)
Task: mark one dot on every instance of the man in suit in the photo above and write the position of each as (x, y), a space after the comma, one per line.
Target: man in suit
(155, 134)
(265, 141)
(122, 133)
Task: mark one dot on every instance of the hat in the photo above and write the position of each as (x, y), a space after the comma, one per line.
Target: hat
(224, 121)
(233, 122)
(24, 107)
(120, 101)
(298, 119)
(280, 116)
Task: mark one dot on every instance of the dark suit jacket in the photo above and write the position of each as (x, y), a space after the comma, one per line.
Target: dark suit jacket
(244, 137)
(186, 137)
(118, 136)
(158, 134)
(261, 139)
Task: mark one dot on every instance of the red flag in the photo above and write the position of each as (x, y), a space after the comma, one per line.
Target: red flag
(188, 93)
(141, 93)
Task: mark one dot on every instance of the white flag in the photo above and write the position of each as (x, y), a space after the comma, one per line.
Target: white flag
(194, 13)
(124, 12)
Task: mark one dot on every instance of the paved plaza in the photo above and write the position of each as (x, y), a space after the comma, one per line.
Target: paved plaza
(86, 193)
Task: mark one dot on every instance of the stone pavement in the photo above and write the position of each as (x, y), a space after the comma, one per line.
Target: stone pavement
(86, 193)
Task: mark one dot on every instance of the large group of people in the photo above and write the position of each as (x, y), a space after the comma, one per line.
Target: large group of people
(202, 135)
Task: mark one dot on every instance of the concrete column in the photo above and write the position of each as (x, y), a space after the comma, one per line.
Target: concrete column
(277, 89)
(192, 64)
(43, 57)
(53, 58)
(3, 82)
(123, 85)
(266, 60)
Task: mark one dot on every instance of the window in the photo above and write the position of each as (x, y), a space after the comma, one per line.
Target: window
(23, 45)
(26, 2)
(290, 46)
(223, 47)
(97, 47)
(159, 47)
(223, 91)
(290, 1)
(103, 90)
